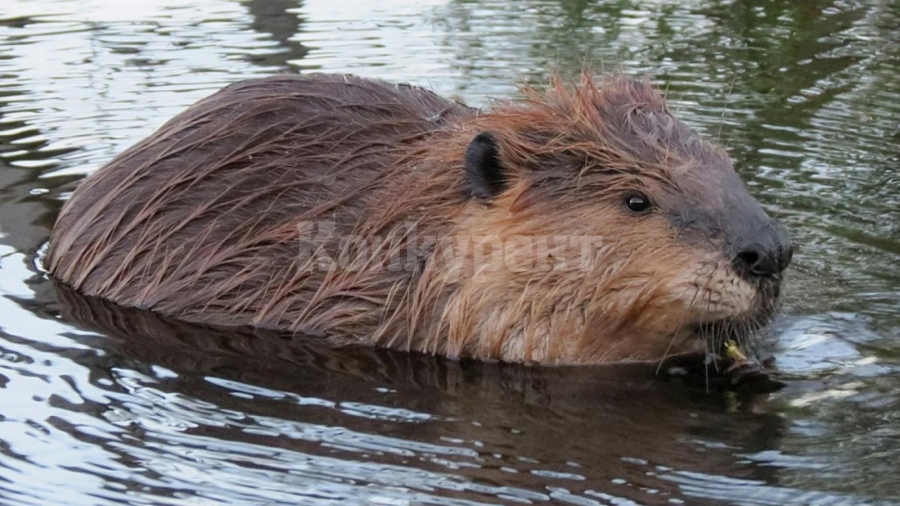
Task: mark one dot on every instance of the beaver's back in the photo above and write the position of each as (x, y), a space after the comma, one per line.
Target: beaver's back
(202, 217)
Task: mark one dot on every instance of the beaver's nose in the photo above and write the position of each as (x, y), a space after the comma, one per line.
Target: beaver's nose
(767, 255)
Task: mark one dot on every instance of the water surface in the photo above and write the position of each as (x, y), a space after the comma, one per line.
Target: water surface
(142, 410)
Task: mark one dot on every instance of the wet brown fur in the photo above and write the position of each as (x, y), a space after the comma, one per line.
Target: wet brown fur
(212, 218)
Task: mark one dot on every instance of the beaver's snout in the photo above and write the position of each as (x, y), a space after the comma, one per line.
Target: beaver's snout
(758, 246)
(763, 251)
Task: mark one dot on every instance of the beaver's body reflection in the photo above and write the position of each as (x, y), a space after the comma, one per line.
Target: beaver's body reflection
(600, 423)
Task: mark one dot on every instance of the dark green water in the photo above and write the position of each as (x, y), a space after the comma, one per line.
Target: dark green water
(805, 95)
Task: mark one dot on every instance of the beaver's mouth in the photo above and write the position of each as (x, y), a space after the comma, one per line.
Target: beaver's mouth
(727, 328)
(742, 326)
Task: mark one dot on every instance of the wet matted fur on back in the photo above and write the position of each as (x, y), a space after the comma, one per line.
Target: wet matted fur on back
(203, 219)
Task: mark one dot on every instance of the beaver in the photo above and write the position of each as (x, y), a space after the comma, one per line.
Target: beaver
(580, 224)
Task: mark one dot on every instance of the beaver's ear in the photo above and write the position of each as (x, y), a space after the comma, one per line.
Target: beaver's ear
(485, 173)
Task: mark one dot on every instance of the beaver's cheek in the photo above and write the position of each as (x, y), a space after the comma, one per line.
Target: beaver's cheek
(683, 286)
(709, 289)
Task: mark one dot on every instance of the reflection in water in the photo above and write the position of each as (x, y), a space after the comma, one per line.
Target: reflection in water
(510, 424)
(101, 404)
(278, 18)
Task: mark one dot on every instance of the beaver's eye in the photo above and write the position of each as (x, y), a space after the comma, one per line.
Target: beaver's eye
(637, 203)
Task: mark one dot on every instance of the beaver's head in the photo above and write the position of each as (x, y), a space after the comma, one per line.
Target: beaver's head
(605, 229)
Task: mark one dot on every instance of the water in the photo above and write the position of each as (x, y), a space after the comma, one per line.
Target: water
(140, 410)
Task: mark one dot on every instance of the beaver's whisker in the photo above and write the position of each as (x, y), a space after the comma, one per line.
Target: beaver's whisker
(707, 332)
(716, 330)
(678, 329)
(725, 108)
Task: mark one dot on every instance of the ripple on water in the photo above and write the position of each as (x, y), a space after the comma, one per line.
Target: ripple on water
(805, 96)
